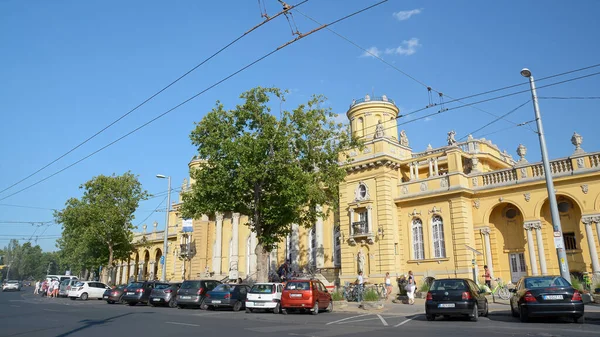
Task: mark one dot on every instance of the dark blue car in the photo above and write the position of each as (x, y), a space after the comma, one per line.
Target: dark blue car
(227, 295)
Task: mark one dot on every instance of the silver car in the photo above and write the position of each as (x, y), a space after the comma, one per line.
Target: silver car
(11, 285)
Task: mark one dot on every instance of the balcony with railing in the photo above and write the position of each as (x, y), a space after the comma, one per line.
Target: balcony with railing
(368, 98)
(360, 228)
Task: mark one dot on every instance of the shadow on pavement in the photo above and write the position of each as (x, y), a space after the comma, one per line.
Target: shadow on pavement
(88, 323)
(506, 317)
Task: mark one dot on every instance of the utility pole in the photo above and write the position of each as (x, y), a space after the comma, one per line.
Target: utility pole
(559, 242)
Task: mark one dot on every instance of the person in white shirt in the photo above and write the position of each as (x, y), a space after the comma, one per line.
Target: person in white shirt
(388, 286)
(37, 288)
(360, 284)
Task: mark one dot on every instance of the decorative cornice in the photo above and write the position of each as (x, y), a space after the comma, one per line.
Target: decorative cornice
(219, 217)
(485, 231)
(235, 216)
(590, 219)
(530, 225)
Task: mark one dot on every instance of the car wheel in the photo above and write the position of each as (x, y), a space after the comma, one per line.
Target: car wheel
(110, 302)
(237, 306)
(330, 307)
(284, 311)
(446, 316)
(151, 304)
(475, 314)
(315, 309)
(486, 311)
(248, 310)
(84, 297)
(523, 315)
(577, 319)
(430, 317)
(131, 304)
(513, 312)
(172, 303)
(203, 305)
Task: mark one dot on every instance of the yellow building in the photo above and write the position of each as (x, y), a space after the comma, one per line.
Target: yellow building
(441, 212)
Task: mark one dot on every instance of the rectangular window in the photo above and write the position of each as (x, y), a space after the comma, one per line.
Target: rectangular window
(570, 241)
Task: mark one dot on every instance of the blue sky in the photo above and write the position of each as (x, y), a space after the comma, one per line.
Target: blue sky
(71, 67)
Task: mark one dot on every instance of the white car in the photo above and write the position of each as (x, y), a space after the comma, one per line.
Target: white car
(87, 289)
(265, 296)
(11, 285)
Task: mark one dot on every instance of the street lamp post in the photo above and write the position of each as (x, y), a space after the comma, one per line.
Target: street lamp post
(166, 233)
(558, 237)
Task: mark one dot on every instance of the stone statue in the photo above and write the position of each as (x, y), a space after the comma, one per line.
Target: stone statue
(379, 130)
(361, 261)
(451, 140)
(403, 138)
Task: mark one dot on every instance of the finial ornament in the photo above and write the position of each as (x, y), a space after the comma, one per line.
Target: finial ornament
(576, 140)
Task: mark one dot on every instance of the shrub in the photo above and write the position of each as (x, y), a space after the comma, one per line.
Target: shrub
(370, 295)
(337, 296)
(424, 287)
(576, 283)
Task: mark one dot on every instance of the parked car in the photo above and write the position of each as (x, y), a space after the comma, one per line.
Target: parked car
(546, 296)
(192, 293)
(114, 295)
(164, 294)
(455, 297)
(139, 291)
(305, 295)
(87, 289)
(65, 286)
(228, 296)
(11, 285)
(265, 296)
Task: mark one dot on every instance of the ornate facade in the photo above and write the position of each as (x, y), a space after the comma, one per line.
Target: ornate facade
(442, 212)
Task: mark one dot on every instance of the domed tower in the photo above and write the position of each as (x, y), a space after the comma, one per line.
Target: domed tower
(373, 117)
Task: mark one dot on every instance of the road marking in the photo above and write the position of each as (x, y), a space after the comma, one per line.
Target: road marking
(405, 321)
(52, 310)
(15, 306)
(382, 320)
(347, 318)
(360, 320)
(178, 323)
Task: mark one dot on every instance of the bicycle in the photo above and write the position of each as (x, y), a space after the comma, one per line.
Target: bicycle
(380, 289)
(349, 293)
(501, 289)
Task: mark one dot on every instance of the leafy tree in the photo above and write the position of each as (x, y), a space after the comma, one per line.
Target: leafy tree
(97, 228)
(277, 171)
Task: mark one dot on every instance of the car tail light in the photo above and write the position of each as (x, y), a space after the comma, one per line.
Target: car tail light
(115, 294)
(168, 291)
(207, 296)
(576, 296)
(200, 291)
(227, 296)
(529, 297)
(466, 296)
(139, 290)
(429, 296)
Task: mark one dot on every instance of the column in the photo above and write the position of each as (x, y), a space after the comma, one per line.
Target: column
(295, 248)
(528, 228)
(370, 219)
(430, 167)
(411, 166)
(589, 233)
(488, 250)
(131, 271)
(435, 168)
(235, 221)
(151, 275)
(540, 246)
(351, 221)
(219, 237)
(319, 233)
(141, 270)
(416, 170)
(253, 257)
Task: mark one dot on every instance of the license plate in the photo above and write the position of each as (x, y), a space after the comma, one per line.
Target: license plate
(185, 297)
(130, 293)
(259, 304)
(156, 299)
(216, 301)
(295, 295)
(105, 296)
(553, 297)
(446, 305)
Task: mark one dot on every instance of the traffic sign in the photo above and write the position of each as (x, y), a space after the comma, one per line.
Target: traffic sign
(162, 259)
(557, 234)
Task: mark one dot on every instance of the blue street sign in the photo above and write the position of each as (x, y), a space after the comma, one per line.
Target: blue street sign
(162, 260)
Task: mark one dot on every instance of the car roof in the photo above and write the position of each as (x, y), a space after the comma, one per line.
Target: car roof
(268, 283)
(452, 279)
(301, 280)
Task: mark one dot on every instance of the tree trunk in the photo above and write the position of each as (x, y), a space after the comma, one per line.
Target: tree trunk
(262, 264)
(107, 272)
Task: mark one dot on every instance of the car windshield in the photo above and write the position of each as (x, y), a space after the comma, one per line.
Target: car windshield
(191, 285)
(448, 285)
(224, 288)
(79, 284)
(545, 282)
(135, 285)
(262, 289)
(122, 286)
(12, 282)
(297, 286)
(162, 286)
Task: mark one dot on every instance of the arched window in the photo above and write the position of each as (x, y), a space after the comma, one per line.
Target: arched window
(417, 234)
(437, 230)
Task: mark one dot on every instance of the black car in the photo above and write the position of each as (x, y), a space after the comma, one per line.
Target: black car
(455, 297)
(193, 292)
(546, 296)
(164, 294)
(139, 291)
(114, 295)
(227, 295)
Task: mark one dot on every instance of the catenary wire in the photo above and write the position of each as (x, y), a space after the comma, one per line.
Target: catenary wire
(151, 97)
(574, 97)
(155, 209)
(195, 96)
(495, 120)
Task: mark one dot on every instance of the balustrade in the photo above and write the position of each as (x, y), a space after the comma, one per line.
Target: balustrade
(499, 177)
(360, 227)
(594, 160)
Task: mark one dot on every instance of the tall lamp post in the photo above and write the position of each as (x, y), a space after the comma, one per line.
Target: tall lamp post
(559, 242)
(166, 233)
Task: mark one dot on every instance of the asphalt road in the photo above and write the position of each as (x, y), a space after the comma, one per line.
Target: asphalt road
(23, 314)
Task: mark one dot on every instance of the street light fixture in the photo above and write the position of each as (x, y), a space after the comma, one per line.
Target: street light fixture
(166, 232)
(558, 237)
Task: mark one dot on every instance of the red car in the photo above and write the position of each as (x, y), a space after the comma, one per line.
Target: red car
(305, 295)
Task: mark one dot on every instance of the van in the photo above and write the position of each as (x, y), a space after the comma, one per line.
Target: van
(60, 278)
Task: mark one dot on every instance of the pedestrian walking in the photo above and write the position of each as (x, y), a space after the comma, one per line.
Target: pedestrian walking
(410, 290)
(388, 285)
(37, 288)
(487, 276)
(360, 284)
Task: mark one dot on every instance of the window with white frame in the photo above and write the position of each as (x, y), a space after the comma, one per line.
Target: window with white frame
(437, 230)
(337, 246)
(418, 244)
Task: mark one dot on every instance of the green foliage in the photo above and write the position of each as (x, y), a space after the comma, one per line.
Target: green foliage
(277, 171)
(576, 283)
(424, 287)
(27, 261)
(337, 296)
(370, 295)
(97, 228)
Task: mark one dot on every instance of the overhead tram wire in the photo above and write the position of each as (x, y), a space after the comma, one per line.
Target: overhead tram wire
(196, 95)
(155, 209)
(267, 19)
(495, 120)
(575, 97)
(24, 206)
